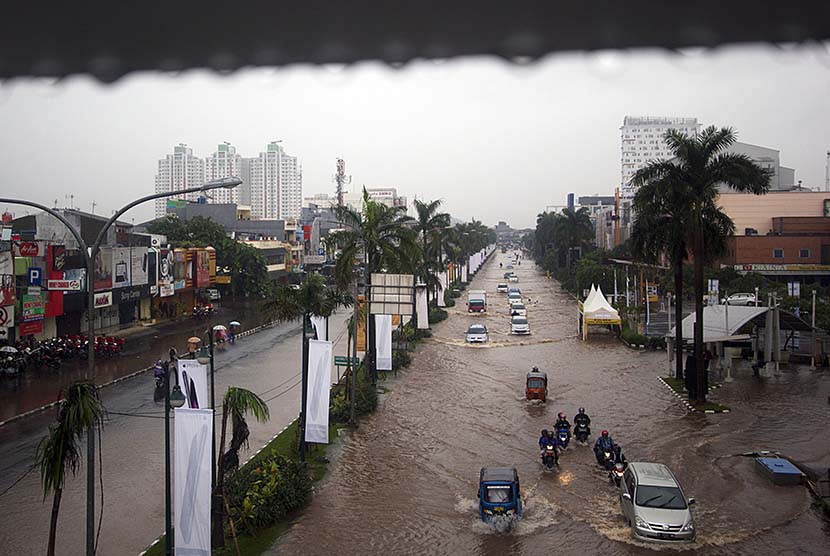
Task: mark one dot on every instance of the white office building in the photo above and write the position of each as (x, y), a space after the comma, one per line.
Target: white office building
(223, 163)
(276, 184)
(179, 170)
(641, 140)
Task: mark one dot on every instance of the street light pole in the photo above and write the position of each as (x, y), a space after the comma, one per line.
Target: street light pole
(89, 255)
(176, 399)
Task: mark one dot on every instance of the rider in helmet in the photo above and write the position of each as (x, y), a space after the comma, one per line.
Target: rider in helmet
(562, 421)
(582, 418)
(603, 444)
(546, 438)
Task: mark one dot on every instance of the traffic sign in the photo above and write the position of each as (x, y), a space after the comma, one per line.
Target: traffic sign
(342, 360)
(321, 251)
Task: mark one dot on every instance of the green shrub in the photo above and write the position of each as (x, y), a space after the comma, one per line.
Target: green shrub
(420, 334)
(437, 314)
(258, 496)
(448, 300)
(401, 360)
(455, 293)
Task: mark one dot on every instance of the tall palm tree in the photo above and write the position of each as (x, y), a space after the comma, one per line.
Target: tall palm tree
(313, 298)
(573, 230)
(700, 165)
(662, 226)
(79, 411)
(429, 224)
(384, 235)
(236, 404)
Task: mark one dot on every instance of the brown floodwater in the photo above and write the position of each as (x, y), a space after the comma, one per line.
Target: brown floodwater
(405, 482)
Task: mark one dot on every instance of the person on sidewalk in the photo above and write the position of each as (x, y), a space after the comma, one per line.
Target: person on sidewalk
(232, 335)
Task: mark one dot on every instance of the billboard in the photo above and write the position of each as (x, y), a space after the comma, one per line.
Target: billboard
(121, 267)
(6, 289)
(202, 269)
(191, 480)
(138, 266)
(33, 308)
(103, 270)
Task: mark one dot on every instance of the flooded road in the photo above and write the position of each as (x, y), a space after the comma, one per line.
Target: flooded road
(144, 345)
(405, 482)
(267, 363)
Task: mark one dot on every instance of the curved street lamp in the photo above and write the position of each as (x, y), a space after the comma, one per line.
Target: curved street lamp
(89, 255)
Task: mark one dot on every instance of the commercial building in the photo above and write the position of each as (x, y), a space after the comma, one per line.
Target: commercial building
(781, 177)
(236, 219)
(276, 184)
(641, 140)
(180, 170)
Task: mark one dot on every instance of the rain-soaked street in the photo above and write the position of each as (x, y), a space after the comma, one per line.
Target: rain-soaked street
(405, 482)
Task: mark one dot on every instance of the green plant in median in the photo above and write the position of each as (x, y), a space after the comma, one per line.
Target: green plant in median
(237, 403)
(59, 452)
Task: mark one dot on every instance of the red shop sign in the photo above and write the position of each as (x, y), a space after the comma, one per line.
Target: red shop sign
(27, 328)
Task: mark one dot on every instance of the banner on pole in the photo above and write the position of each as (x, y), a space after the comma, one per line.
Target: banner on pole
(193, 430)
(319, 383)
(383, 342)
(421, 308)
(193, 382)
(319, 324)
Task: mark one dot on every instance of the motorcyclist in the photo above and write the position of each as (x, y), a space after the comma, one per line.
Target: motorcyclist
(562, 422)
(549, 439)
(603, 444)
(618, 455)
(582, 418)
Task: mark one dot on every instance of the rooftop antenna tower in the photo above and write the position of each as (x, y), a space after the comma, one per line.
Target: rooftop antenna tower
(827, 173)
(341, 179)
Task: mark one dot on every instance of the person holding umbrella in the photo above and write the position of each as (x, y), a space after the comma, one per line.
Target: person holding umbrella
(219, 336)
(232, 332)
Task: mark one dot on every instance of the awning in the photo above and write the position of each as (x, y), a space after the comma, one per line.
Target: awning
(739, 325)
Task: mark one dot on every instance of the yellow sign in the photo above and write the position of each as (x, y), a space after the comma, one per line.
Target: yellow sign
(222, 279)
(602, 321)
(361, 325)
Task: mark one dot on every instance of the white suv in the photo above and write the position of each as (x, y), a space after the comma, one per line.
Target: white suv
(747, 299)
(519, 325)
(501, 288)
(654, 505)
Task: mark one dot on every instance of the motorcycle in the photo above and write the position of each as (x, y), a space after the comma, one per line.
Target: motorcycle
(606, 459)
(616, 474)
(563, 434)
(550, 458)
(582, 432)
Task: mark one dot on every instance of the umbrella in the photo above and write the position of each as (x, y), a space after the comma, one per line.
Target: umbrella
(235, 323)
(194, 340)
(8, 349)
(221, 327)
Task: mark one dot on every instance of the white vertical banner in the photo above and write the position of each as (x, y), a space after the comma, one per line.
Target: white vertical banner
(383, 342)
(421, 308)
(191, 478)
(464, 277)
(319, 324)
(193, 381)
(441, 288)
(319, 383)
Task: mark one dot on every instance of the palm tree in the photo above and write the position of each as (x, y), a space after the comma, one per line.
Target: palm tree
(573, 230)
(429, 224)
(661, 226)
(79, 411)
(313, 298)
(700, 165)
(237, 403)
(384, 235)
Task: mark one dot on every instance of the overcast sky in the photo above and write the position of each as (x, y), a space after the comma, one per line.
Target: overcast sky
(494, 141)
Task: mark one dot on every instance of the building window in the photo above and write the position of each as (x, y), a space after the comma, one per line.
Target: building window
(804, 253)
(777, 253)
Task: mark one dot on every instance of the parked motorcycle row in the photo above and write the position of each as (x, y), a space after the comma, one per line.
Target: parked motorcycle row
(205, 311)
(48, 354)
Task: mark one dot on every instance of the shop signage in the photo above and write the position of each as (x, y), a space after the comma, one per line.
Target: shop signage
(222, 279)
(202, 269)
(27, 328)
(782, 267)
(166, 290)
(179, 284)
(134, 293)
(103, 299)
(64, 285)
(58, 258)
(6, 289)
(33, 308)
(314, 259)
(28, 249)
(7, 316)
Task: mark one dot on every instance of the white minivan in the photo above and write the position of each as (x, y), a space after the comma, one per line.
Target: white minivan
(519, 325)
(654, 505)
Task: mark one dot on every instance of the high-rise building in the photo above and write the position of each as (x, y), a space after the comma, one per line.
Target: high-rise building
(179, 170)
(246, 165)
(223, 163)
(641, 140)
(276, 184)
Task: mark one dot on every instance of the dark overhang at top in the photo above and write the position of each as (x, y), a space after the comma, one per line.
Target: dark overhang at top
(110, 39)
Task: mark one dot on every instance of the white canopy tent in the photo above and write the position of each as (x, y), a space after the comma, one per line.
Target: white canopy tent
(596, 310)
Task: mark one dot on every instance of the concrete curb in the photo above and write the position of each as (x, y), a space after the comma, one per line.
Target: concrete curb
(125, 377)
(686, 403)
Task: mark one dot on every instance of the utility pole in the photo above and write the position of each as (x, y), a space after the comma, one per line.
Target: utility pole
(827, 173)
(813, 323)
(93, 206)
